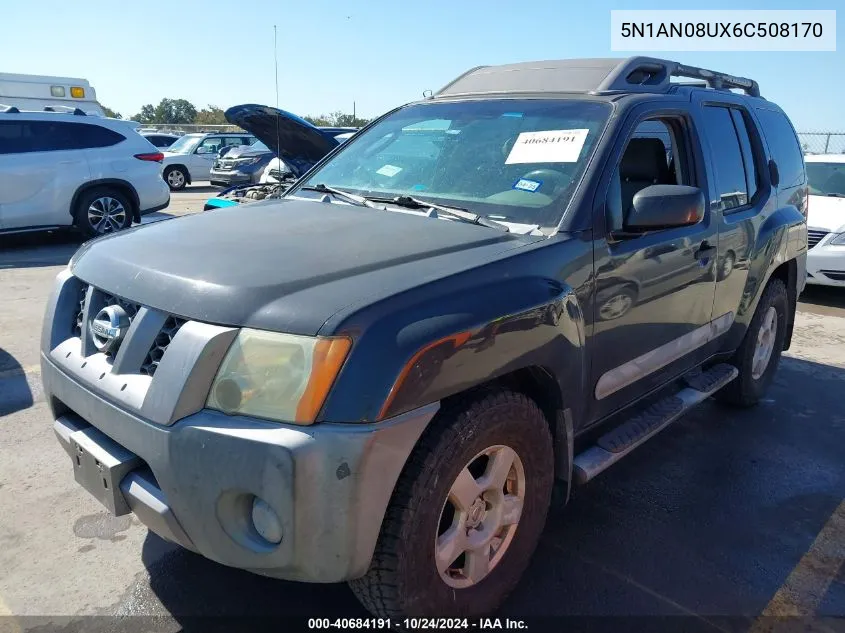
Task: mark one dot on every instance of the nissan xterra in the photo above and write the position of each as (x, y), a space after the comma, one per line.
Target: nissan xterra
(499, 290)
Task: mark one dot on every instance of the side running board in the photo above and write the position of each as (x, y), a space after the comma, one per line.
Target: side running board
(614, 445)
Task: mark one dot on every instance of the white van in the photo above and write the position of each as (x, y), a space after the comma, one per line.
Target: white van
(36, 92)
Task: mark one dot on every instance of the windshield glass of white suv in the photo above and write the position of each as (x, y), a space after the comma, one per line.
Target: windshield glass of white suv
(826, 179)
(185, 145)
(510, 160)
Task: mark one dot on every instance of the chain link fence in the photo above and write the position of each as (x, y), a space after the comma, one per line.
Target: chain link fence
(822, 142)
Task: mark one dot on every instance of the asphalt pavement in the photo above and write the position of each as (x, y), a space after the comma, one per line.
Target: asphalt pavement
(725, 520)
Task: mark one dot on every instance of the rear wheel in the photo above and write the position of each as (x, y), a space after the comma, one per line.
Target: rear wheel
(467, 512)
(759, 354)
(102, 211)
(176, 178)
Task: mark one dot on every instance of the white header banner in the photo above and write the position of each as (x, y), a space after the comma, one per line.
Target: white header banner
(758, 30)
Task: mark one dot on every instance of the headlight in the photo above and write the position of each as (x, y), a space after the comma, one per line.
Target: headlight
(240, 162)
(279, 377)
(838, 240)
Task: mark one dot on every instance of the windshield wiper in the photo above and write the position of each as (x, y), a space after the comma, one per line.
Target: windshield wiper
(340, 193)
(456, 212)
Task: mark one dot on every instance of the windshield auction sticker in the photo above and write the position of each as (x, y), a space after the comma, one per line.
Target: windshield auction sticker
(707, 30)
(548, 146)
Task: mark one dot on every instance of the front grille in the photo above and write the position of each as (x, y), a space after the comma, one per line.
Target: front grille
(814, 237)
(836, 275)
(159, 346)
(79, 317)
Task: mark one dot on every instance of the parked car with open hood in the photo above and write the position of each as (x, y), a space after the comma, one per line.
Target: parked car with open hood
(826, 220)
(380, 377)
(241, 165)
(191, 157)
(288, 147)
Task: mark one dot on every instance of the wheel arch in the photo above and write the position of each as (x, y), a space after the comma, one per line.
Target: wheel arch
(123, 186)
(184, 169)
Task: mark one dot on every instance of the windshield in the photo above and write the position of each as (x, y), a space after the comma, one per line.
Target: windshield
(260, 146)
(185, 145)
(826, 179)
(509, 160)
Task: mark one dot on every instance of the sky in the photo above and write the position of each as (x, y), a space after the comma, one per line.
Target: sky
(373, 53)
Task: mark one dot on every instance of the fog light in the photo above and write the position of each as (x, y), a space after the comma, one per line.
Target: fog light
(266, 521)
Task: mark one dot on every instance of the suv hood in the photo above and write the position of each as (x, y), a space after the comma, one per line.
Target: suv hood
(285, 265)
(294, 140)
(826, 212)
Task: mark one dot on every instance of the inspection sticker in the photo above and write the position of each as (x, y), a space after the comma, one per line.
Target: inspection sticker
(548, 146)
(389, 170)
(524, 184)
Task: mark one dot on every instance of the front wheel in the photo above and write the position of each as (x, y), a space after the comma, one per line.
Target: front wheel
(759, 354)
(466, 513)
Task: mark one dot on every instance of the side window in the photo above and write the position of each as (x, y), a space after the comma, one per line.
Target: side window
(784, 146)
(749, 160)
(727, 156)
(654, 155)
(210, 145)
(16, 137)
(86, 135)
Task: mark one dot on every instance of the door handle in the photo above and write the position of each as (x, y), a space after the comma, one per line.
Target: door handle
(704, 250)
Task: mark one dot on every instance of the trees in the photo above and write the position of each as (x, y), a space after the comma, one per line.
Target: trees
(336, 119)
(212, 115)
(182, 111)
(171, 111)
(111, 113)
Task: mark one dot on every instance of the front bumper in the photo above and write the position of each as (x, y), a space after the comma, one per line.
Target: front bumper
(826, 265)
(190, 474)
(193, 482)
(220, 177)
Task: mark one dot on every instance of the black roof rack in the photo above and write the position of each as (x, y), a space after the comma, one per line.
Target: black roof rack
(7, 109)
(593, 76)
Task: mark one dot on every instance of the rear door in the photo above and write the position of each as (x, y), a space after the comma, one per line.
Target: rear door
(742, 198)
(41, 165)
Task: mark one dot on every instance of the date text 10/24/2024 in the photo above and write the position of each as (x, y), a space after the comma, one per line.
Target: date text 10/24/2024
(463, 624)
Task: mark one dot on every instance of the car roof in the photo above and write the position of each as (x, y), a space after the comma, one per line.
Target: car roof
(824, 158)
(599, 76)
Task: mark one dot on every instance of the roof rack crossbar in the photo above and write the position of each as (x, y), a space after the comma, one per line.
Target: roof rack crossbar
(649, 74)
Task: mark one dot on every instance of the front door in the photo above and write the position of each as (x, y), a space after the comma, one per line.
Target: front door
(204, 156)
(654, 291)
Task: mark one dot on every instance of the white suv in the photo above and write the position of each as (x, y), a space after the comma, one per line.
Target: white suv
(60, 169)
(192, 156)
(826, 219)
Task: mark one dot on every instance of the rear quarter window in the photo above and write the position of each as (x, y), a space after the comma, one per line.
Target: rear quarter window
(784, 146)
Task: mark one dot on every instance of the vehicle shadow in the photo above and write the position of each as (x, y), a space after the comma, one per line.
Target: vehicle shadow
(33, 250)
(192, 588)
(823, 296)
(200, 188)
(15, 393)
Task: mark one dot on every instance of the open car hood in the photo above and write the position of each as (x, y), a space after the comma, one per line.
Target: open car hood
(294, 140)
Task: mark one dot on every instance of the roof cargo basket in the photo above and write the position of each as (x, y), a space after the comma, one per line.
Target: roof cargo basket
(656, 73)
(592, 76)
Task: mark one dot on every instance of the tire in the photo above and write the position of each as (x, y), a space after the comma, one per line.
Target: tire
(751, 385)
(101, 211)
(176, 178)
(403, 579)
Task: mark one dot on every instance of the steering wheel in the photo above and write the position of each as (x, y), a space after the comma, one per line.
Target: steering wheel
(551, 178)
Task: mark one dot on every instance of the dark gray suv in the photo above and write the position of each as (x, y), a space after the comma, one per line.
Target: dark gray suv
(381, 376)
